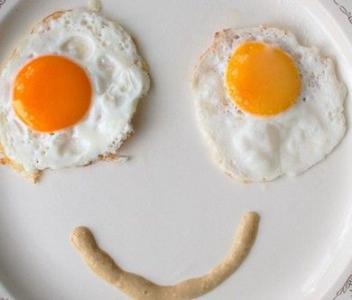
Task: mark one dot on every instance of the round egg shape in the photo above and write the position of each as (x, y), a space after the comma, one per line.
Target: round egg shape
(254, 148)
(118, 79)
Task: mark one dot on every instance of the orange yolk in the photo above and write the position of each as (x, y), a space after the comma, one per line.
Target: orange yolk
(262, 79)
(51, 93)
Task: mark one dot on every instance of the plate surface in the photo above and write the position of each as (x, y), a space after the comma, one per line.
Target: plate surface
(169, 213)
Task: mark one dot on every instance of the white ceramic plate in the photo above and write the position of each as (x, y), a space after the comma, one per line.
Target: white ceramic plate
(169, 213)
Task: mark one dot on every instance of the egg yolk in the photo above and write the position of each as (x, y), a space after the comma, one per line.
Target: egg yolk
(262, 79)
(51, 93)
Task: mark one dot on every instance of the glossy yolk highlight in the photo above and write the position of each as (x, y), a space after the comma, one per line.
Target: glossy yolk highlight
(51, 93)
(262, 80)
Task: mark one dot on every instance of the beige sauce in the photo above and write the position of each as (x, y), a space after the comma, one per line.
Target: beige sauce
(139, 288)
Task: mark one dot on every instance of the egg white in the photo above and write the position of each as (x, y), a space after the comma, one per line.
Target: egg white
(252, 148)
(118, 76)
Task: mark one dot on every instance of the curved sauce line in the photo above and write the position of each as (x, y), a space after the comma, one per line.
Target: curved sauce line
(140, 288)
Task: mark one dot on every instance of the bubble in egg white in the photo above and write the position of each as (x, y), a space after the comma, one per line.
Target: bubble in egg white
(78, 47)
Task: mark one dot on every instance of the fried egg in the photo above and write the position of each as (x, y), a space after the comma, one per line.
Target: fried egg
(267, 105)
(68, 92)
